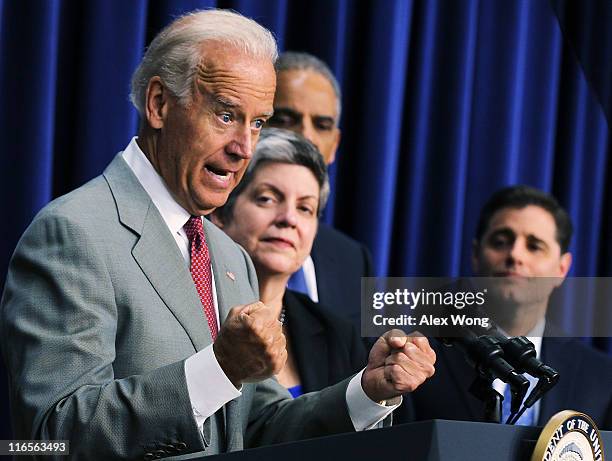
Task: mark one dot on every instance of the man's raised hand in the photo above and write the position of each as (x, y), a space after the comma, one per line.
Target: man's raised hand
(251, 346)
(397, 364)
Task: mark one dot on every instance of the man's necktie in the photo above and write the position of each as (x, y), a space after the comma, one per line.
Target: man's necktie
(200, 270)
(527, 418)
(297, 282)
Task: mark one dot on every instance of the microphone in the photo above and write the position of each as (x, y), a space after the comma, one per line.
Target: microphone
(490, 351)
(518, 350)
(486, 355)
(520, 353)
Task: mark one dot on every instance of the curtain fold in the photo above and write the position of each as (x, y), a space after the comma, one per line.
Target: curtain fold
(28, 64)
(377, 131)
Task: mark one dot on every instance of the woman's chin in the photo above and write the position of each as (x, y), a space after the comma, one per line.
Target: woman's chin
(276, 267)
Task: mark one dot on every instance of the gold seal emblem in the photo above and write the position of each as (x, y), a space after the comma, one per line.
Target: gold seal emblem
(569, 436)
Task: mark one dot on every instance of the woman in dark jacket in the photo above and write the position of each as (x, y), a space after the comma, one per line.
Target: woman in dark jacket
(273, 213)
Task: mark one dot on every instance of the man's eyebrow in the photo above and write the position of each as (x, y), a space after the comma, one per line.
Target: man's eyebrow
(505, 232)
(222, 101)
(325, 118)
(537, 239)
(286, 111)
(502, 230)
(233, 105)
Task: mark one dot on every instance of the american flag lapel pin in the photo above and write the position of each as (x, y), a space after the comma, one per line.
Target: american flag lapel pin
(231, 275)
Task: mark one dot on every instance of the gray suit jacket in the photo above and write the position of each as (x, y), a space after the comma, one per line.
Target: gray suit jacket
(99, 313)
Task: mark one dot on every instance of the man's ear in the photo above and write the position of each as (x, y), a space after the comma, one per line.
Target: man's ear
(475, 258)
(156, 103)
(332, 159)
(565, 264)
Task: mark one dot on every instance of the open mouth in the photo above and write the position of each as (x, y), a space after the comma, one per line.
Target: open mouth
(221, 175)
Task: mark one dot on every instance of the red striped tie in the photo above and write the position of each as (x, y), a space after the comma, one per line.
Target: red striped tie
(200, 270)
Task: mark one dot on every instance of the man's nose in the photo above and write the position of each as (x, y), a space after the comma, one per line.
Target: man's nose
(309, 132)
(517, 252)
(242, 142)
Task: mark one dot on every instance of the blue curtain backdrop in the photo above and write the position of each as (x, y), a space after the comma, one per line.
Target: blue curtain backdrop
(445, 101)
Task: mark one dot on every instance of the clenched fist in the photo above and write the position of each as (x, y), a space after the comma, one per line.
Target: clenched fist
(397, 364)
(250, 346)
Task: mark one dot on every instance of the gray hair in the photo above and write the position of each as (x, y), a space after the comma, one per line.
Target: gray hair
(281, 146)
(174, 54)
(298, 60)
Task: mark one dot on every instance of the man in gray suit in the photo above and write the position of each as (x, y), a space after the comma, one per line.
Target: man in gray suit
(103, 329)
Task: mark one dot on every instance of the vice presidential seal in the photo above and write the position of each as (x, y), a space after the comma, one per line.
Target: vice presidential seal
(569, 436)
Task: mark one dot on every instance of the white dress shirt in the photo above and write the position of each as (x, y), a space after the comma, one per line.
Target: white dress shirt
(310, 276)
(202, 371)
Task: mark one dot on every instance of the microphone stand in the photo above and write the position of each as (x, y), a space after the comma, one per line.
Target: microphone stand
(486, 355)
(521, 354)
(482, 389)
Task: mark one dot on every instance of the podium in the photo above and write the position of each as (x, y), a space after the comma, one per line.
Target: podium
(437, 440)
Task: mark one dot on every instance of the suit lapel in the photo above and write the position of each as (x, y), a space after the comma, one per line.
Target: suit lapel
(308, 342)
(557, 354)
(156, 252)
(161, 261)
(226, 285)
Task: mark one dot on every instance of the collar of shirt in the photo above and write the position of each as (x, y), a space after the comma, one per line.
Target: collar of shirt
(174, 215)
(535, 335)
(311, 278)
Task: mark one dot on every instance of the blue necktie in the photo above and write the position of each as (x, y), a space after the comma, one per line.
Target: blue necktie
(527, 418)
(297, 282)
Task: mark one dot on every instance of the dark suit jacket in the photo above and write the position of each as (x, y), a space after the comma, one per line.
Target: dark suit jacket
(585, 385)
(327, 348)
(340, 262)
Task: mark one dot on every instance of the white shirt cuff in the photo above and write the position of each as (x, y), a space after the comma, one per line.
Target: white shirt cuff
(364, 412)
(203, 373)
